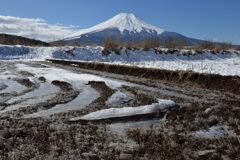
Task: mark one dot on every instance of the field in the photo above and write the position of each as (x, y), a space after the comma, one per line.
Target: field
(66, 110)
(206, 61)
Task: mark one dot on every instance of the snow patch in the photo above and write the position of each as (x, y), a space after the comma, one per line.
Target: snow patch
(13, 87)
(86, 96)
(2, 86)
(213, 132)
(43, 93)
(78, 81)
(204, 152)
(119, 98)
(127, 111)
(53, 73)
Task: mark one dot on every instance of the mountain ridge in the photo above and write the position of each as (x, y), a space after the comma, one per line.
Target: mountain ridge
(122, 21)
(124, 27)
(7, 39)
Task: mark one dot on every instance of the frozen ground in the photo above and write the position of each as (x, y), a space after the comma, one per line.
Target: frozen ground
(40, 89)
(45, 90)
(41, 104)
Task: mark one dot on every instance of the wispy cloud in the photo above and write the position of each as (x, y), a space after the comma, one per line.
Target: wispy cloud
(34, 28)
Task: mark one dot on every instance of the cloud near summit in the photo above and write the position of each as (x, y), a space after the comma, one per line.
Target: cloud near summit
(34, 28)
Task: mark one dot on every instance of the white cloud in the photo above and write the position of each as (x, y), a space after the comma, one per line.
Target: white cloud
(34, 28)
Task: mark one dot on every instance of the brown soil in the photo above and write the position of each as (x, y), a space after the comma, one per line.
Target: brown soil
(139, 97)
(26, 82)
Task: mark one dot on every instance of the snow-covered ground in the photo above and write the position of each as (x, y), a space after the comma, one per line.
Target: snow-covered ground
(228, 66)
(21, 96)
(206, 62)
(78, 81)
(43, 93)
(21, 112)
(119, 98)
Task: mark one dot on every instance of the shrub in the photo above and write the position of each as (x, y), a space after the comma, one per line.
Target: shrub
(115, 45)
(111, 45)
(130, 45)
(172, 43)
(150, 43)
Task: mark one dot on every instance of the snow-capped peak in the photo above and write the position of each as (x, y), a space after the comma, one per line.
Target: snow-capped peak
(129, 22)
(122, 22)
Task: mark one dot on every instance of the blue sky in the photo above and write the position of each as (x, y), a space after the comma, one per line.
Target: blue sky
(215, 19)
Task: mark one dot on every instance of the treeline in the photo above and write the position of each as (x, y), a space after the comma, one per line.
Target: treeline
(111, 44)
(147, 44)
(7, 39)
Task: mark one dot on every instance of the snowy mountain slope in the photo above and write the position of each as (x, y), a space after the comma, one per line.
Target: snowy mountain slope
(122, 22)
(123, 27)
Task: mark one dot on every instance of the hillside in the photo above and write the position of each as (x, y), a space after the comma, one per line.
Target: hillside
(7, 39)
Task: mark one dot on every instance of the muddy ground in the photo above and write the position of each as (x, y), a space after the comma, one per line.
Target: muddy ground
(205, 125)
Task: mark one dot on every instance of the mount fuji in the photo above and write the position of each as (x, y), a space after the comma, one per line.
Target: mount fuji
(124, 27)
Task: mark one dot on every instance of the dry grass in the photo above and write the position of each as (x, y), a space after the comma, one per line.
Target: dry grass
(225, 46)
(113, 44)
(207, 44)
(110, 43)
(180, 146)
(215, 47)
